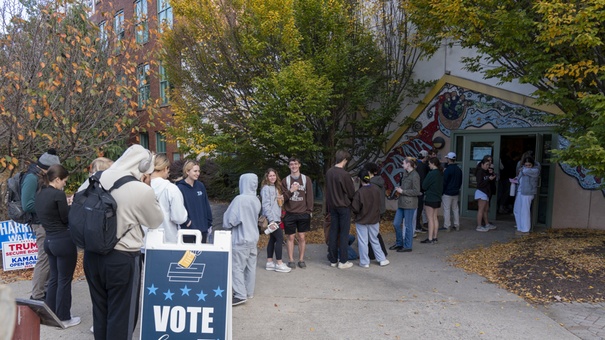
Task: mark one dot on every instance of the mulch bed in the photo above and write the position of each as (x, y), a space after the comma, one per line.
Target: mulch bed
(565, 265)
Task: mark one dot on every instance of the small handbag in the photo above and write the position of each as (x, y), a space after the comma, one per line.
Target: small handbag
(262, 223)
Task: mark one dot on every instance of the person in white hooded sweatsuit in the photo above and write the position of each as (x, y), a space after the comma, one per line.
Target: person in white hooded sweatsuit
(241, 217)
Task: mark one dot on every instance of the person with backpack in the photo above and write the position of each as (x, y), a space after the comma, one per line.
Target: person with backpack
(298, 204)
(29, 187)
(114, 278)
(52, 210)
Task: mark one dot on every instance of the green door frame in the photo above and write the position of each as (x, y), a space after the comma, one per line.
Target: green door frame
(461, 141)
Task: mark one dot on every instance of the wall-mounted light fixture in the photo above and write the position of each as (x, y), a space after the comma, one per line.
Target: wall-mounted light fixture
(438, 143)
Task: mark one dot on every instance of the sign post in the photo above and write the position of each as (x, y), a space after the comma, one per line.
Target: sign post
(186, 291)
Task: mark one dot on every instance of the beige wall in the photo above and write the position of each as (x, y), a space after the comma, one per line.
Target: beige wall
(574, 207)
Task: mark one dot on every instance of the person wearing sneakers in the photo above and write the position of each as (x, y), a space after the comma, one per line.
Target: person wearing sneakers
(482, 194)
(241, 218)
(272, 201)
(298, 204)
(409, 190)
(452, 181)
(366, 211)
(433, 190)
(339, 195)
(52, 209)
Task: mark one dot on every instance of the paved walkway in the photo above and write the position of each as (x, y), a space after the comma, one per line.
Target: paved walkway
(419, 295)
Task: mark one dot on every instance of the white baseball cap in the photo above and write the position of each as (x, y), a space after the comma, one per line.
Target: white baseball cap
(451, 155)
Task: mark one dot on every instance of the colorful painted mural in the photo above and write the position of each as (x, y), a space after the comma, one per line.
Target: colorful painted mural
(458, 108)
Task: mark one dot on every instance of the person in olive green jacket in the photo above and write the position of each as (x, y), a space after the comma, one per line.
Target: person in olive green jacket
(433, 189)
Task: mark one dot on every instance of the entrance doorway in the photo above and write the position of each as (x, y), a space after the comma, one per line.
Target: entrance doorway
(506, 147)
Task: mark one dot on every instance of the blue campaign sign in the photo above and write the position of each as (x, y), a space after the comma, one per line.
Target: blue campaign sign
(187, 291)
(11, 231)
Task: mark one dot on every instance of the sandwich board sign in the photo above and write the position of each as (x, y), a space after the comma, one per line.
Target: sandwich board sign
(186, 291)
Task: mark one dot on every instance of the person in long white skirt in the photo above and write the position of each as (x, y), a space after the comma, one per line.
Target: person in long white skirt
(528, 186)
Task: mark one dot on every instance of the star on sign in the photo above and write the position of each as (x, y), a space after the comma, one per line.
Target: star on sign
(168, 295)
(218, 291)
(185, 291)
(152, 289)
(201, 296)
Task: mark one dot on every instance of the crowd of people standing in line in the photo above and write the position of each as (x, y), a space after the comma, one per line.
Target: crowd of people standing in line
(155, 202)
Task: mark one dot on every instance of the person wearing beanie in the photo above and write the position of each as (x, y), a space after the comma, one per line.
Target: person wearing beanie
(29, 187)
(114, 279)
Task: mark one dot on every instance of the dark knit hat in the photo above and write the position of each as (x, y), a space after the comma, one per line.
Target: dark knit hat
(48, 158)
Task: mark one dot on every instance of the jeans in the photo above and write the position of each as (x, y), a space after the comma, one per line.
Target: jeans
(450, 203)
(340, 225)
(369, 232)
(397, 226)
(409, 220)
(62, 258)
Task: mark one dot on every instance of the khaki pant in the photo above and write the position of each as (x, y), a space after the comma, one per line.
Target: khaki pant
(41, 270)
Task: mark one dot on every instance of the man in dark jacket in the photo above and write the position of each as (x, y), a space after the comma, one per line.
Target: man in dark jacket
(339, 195)
(452, 181)
(422, 168)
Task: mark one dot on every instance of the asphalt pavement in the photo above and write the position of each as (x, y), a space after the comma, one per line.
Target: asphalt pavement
(419, 295)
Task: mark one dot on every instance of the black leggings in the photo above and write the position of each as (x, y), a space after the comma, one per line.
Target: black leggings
(276, 242)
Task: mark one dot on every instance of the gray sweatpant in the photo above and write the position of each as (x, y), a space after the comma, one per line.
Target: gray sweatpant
(244, 271)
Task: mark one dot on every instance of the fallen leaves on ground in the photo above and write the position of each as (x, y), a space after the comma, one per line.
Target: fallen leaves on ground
(558, 265)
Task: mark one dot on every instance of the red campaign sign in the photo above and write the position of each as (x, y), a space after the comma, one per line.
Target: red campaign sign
(19, 254)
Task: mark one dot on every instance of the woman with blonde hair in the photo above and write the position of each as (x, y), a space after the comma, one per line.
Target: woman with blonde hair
(196, 202)
(170, 199)
(271, 202)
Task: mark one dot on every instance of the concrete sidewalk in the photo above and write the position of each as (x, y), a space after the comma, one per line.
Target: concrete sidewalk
(418, 295)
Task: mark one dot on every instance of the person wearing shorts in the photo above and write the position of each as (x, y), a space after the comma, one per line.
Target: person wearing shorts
(433, 190)
(482, 195)
(298, 204)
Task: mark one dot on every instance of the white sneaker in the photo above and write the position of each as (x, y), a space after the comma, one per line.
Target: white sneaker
(364, 265)
(282, 268)
(74, 321)
(345, 265)
(270, 266)
(482, 228)
(491, 226)
(333, 264)
(92, 329)
(384, 263)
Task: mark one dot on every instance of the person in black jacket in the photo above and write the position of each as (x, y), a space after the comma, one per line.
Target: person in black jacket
(482, 194)
(452, 181)
(52, 210)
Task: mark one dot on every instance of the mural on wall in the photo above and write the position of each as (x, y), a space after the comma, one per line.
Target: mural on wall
(585, 179)
(457, 108)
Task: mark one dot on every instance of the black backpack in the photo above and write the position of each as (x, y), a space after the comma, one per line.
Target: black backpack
(13, 199)
(92, 217)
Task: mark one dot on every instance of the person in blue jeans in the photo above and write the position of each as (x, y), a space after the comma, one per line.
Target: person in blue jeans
(409, 190)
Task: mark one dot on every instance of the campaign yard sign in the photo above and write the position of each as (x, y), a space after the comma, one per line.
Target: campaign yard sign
(187, 288)
(19, 254)
(19, 250)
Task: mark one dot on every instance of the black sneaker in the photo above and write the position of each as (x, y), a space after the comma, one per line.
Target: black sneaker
(237, 301)
(395, 247)
(292, 265)
(427, 241)
(434, 240)
(404, 250)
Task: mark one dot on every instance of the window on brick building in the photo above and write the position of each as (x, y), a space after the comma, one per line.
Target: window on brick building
(164, 14)
(141, 26)
(118, 28)
(164, 85)
(160, 143)
(144, 140)
(143, 85)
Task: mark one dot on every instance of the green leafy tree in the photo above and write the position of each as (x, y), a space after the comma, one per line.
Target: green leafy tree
(555, 45)
(63, 86)
(262, 80)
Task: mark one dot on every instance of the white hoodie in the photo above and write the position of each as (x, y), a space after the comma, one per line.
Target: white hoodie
(171, 202)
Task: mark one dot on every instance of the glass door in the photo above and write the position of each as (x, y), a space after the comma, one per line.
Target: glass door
(475, 147)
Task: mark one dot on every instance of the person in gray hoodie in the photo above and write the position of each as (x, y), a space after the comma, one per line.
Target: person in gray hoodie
(241, 217)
